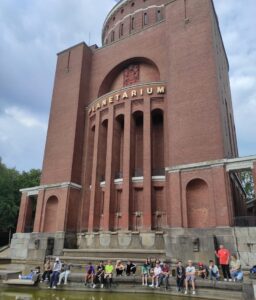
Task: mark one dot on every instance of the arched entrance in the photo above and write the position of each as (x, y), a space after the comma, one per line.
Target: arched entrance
(197, 196)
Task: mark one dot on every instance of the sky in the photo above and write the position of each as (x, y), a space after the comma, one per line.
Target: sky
(32, 32)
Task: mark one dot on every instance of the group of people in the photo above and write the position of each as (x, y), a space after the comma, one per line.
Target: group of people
(154, 273)
(55, 273)
(103, 274)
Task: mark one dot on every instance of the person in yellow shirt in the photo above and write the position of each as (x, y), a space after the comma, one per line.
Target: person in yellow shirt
(109, 273)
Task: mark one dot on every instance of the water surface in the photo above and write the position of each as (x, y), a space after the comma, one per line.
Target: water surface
(36, 294)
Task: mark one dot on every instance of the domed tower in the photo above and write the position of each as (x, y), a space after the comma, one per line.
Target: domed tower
(134, 128)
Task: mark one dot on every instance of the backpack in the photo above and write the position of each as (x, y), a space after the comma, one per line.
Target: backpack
(253, 270)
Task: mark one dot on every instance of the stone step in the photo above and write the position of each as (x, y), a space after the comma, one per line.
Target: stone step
(82, 256)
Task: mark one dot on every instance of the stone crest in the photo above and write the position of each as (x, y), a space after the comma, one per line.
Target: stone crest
(131, 74)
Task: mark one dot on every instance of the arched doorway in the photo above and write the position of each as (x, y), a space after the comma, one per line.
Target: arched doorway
(51, 209)
(197, 196)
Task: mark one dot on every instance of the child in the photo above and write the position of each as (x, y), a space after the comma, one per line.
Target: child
(155, 276)
(180, 276)
(130, 268)
(202, 271)
(213, 270)
(236, 272)
(109, 272)
(89, 275)
(190, 276)
(145, 272)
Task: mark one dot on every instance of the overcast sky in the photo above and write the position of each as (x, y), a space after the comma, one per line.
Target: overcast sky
(32, 32)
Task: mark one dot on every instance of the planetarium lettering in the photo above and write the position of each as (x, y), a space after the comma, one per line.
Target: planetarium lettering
(126, 95)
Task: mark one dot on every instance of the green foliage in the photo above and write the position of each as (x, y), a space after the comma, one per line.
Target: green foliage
(11, 181)
(248, 184)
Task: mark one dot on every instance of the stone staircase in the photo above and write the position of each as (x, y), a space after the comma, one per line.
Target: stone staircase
(82, 256)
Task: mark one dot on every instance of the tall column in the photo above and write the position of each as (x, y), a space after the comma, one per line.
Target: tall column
(174, 200)
(38, 226)
(22, 213)
(95, 181)
(124, 207)
(109, 171)
(147, 215)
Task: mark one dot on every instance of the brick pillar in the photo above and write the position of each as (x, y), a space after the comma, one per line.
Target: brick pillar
(174, 200)
(22, 213)
(95, 181)
(109, 171)
(38, 227)
(147, 215)
(124, 207)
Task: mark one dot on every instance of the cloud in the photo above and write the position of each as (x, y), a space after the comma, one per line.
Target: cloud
(238, 23)
(32, 32)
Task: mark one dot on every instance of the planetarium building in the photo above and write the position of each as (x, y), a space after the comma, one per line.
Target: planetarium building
(141, 152)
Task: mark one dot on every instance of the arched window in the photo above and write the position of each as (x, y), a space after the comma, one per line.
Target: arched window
(145, 19)
(112, 36)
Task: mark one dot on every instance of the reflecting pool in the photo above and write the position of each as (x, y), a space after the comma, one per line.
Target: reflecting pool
(36, 294)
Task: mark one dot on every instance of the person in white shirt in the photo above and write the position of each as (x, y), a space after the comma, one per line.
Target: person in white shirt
(155, 276)
(190, 276)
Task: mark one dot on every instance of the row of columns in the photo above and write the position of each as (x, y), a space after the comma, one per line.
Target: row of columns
(109, 173)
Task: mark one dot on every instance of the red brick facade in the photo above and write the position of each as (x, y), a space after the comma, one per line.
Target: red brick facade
(155, 96)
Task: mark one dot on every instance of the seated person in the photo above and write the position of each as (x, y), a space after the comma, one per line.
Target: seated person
(145, 272)
(164, 276)
(99, 276)
(202, 271)
(47, 271)
(56, 270)
(130, 268)
(213, 271)
(89, 274)
(65, 273)
(119, 268)
(235, 271)
(108, 275)
(155, 276)
(180, 276)
(190, 277)
(32, 275)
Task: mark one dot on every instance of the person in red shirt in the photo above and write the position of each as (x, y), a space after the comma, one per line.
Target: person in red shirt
(224, 255)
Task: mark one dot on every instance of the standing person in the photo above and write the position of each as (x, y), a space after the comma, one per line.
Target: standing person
(145, 272)
(156, 275)
(224, 256)
(130, 268)
(55, 273)
(89, 274)
(99, 276)
(236, 272)
(109, 272)
(47, 271)
(65, 273)
(180, 276)
(190, 276)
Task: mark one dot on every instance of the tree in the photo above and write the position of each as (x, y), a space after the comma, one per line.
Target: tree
(11, 181)
(248, 184)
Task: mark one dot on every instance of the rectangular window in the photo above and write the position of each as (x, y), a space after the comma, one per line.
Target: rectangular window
(112, 36)
(132, 23)
(159, 15)
(121, 32)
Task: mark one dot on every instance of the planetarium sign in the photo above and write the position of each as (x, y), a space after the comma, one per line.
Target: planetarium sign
(125, 95)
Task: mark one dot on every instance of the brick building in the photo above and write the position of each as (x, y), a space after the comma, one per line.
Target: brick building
(140, 134)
